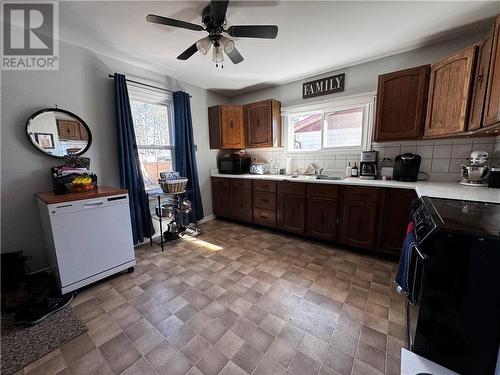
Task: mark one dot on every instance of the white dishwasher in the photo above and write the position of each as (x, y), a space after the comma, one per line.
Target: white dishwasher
(88, 239)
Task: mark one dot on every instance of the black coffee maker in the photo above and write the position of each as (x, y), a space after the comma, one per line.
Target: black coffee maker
(406, 167)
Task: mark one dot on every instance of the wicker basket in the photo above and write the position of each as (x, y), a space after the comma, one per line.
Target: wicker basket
(173, 186)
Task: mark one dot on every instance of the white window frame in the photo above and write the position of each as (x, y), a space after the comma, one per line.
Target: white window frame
(326, 107)
(151, 95)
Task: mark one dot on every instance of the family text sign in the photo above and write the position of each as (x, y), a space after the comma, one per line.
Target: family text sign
(323, 86)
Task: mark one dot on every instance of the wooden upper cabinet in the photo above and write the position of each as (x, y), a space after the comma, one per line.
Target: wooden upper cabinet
(263, 124)
(492, 103)
(226, 127)
(401, 102)
(480, 83)
(69, 130)
(449, 89)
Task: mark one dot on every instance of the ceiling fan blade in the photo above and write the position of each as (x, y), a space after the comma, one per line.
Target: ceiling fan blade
(218, 10)
(188, 53)
(235, 56)
(153, 18)
(254, 31)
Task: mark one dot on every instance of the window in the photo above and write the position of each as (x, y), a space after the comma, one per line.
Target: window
(342, 124)
(306, 130)
(152, 116)
(343, 128)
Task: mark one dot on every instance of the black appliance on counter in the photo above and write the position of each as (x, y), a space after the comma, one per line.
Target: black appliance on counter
(454, 283)
(406, 167)
(233, 164)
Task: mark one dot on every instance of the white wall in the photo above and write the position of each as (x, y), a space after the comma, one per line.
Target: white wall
(441, 158)
(363, 77)
(81, 85)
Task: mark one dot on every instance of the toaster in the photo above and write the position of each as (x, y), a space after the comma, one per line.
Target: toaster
(259, 168)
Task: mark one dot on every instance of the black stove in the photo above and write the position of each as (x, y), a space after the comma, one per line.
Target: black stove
(457, 279)
(456, 216)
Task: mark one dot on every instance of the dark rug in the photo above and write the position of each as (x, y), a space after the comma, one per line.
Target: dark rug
(22, 345)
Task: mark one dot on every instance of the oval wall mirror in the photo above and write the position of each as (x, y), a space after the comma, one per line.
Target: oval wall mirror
(58, 133)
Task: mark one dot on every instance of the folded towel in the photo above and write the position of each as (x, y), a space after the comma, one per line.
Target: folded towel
(401, 278)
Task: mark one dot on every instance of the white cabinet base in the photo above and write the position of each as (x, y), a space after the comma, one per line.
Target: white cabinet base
(99, 276)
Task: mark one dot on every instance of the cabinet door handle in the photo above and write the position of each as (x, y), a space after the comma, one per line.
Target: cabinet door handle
(264, 200)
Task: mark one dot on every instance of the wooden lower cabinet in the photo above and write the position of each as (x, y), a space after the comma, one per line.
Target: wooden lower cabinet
(395, 218)
(221, 197)
(358, 224)
(322, 218)
(291, 206)
(264, 203)
(291, 213)
(264, 217)
(241, 204)
(364, 217)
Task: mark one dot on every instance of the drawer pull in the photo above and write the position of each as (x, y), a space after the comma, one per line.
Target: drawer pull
(264, 217)
(264, 200)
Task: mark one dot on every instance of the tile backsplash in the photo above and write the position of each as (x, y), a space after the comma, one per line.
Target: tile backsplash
(441, 159)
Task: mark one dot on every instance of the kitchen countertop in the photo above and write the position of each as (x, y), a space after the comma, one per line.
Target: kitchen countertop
(49, 197)
(450, 190)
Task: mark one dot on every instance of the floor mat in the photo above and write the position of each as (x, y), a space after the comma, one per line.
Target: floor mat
(22, 345)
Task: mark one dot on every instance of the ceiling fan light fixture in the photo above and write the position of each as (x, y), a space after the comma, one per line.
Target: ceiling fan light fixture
(203, 45)
(227, 44)
(218, 56)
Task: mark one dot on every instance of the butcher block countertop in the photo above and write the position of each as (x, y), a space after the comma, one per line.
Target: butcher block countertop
(50, 197)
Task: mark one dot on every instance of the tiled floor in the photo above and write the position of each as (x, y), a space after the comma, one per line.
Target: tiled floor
(239, 300)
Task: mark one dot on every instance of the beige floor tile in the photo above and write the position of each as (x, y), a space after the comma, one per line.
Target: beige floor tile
(51, 363)
(240, 288)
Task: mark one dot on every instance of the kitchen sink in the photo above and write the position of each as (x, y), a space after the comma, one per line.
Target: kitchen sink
(316, 177)
(303, 177)
(331, 178)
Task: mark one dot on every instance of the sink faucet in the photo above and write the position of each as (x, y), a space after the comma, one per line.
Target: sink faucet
(318, 172)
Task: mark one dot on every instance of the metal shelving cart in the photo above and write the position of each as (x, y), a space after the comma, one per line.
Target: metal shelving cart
(167, 210)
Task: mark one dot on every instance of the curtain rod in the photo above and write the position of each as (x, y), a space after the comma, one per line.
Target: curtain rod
(146, 84)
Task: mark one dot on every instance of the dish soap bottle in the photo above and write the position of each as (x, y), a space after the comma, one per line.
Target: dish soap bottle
(348, 170)
(354, 171)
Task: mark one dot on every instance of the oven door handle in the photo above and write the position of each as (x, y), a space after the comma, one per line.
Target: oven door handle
(419, 261)
(416, 280)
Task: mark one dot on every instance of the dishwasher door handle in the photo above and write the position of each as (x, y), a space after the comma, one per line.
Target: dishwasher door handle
(93, 204)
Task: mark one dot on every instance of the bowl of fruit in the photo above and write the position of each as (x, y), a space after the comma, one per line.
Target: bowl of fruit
(84, 182)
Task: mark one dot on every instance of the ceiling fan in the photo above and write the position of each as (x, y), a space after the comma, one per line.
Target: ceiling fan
(213, 19)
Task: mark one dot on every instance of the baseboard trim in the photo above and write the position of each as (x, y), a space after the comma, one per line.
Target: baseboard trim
(206, 219)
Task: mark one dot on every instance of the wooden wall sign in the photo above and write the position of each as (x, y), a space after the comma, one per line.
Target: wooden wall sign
(323, 86)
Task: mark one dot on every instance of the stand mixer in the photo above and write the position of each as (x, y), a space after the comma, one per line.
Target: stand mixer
(477, 171)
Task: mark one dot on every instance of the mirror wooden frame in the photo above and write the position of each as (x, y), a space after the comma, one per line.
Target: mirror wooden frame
(68, 113)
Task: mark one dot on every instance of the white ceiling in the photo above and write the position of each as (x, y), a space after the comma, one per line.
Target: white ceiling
(313, 37)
